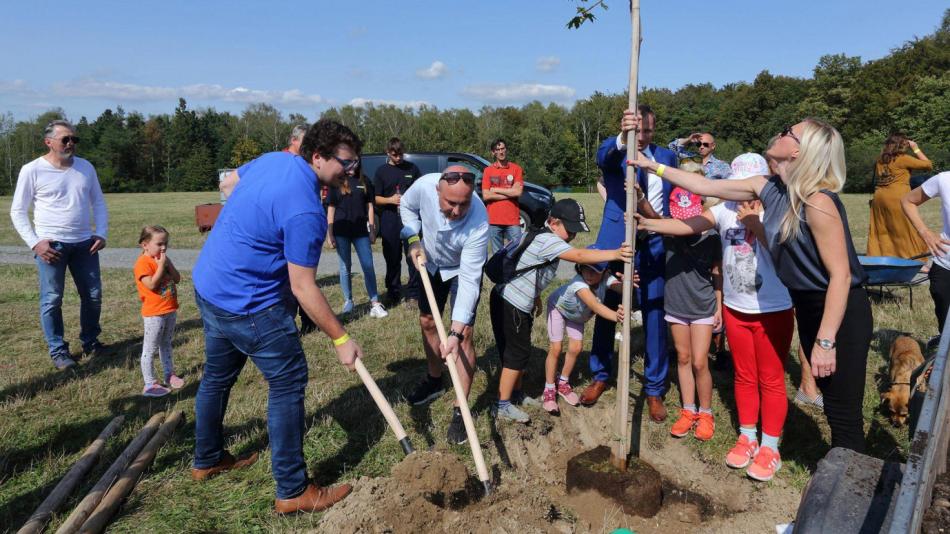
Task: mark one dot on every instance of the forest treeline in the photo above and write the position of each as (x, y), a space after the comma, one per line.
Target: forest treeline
(907, 91)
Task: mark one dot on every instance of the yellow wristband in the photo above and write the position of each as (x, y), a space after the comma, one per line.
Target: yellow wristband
(412, 239)
(916, 151)
(341, 340)
(660, 169)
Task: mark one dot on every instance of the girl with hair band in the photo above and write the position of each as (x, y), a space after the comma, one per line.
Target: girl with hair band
(351, 223)
(807, 232)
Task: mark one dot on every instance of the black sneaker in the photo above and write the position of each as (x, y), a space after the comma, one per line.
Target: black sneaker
(63, 361)
(93, 349)
(427, 391)
(456, 434)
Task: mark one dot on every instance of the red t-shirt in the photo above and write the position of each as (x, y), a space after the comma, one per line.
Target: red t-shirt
(502, 212)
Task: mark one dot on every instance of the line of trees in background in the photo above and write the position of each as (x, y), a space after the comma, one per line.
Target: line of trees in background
(908, 91)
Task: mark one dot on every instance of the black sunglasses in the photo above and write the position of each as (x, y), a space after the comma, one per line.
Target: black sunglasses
(453, 177)
(788, 131)
(349, 165)
(705, 145)
(67, 138)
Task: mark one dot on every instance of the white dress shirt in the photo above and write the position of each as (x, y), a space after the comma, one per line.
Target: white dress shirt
(453, 248)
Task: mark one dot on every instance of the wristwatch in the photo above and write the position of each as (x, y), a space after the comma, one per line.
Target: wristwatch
(826, 344)
(458, 335)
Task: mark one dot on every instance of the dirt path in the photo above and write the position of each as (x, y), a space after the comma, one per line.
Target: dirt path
(427, 493)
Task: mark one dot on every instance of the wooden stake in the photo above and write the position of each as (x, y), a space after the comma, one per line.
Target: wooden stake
(384, 407)
(621, 448)
(100, 518)
(91, 500)
(37, 522)
(456, 383)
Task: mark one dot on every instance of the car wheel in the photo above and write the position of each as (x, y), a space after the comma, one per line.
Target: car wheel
(523, 220)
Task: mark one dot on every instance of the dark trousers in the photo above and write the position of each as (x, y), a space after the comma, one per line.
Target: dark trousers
(512, 330)
(844, 390)
(389, 227)
(940, 291)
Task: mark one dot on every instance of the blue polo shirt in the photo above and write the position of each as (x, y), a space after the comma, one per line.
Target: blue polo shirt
(273, 216)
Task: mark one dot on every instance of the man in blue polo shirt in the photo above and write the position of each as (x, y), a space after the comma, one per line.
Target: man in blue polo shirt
(259, 262)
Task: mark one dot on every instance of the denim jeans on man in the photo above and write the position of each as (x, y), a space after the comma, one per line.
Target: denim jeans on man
(498, 234)
(365, 254)
(84, 268)
(270, 338)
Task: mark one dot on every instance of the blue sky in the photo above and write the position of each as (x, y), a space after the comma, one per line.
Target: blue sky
(88, 56)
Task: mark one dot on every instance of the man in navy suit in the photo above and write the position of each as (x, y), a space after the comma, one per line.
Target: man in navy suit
(650, 260)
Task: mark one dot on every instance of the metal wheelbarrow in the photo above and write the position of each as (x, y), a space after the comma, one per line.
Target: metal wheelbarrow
(889, 271)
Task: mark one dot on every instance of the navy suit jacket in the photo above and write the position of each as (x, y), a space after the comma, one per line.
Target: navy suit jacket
(613, 165)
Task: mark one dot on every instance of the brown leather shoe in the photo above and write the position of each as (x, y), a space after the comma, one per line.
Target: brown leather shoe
(593, 392)
(313, 499)
(657, 410)
(227, 463)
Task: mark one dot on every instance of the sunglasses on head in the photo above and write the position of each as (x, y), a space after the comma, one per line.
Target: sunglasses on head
(788, 131)
(67, 138)
(454, 177)
(349, 165)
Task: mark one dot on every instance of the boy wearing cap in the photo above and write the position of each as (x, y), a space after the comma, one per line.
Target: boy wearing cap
(514, 304)
(569, 307)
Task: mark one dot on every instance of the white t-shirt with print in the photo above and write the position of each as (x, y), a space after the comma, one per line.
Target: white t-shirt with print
(939, 186)
(749, 282)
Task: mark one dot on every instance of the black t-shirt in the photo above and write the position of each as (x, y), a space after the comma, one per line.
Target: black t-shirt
(351, 211)
(392, 179)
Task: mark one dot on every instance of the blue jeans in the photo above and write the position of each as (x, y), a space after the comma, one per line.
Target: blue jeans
(498, 234)
(270, 338)
(84, 268)
(365, 255)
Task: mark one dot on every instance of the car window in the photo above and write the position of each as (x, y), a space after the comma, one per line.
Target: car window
(476, 165)
(370, 164)
(426, 164)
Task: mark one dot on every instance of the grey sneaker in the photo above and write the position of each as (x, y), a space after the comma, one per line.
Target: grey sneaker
(520, 399)
(62, 361)
(456, 434)
(511, 413)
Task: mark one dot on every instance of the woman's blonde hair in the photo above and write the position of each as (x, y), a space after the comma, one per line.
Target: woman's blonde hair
(819, 165)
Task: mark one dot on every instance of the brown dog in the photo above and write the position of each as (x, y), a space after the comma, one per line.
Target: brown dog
(905, 357)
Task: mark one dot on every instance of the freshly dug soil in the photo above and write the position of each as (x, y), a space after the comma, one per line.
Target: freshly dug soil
(638, 489)
(432, 473)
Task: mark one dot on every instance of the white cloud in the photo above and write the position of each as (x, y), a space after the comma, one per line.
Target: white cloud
(434, 71)
(517, 92)
(547, 63)
(15, 87)
(92, 88)
(360, 102)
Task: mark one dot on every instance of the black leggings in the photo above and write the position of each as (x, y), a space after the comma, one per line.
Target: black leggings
(940, 291)
(844, 390)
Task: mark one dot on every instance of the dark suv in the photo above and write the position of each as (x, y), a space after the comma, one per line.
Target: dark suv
(535, 202)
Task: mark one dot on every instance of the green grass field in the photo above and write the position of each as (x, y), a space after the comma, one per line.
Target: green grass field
(47, 417)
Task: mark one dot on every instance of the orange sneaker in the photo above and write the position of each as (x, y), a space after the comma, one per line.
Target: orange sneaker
(705, 426)
(766, 463)
(684, 424)
(741, 454)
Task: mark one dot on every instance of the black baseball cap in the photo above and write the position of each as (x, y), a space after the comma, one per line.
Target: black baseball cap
(571, 214)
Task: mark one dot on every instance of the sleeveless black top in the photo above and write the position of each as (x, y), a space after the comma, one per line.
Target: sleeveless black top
(797, 261)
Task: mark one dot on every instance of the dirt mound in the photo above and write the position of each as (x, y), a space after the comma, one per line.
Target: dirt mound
(432, 472)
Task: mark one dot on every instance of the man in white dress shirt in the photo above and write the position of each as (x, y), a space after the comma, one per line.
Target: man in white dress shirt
(455, 225)
(63, 191)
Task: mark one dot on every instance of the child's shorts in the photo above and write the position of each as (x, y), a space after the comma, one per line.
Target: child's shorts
(557, 323)
(673, 319)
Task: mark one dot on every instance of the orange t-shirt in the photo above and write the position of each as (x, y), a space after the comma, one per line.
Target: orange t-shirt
(162, 300)
(502, 212)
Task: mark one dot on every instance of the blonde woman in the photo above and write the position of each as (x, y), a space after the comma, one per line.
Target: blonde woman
(807, 232)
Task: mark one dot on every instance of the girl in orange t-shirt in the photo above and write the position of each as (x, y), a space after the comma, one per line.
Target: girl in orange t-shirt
(155, 279)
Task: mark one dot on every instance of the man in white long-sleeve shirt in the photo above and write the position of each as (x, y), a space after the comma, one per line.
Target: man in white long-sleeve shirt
(454, 224)
(63, 191)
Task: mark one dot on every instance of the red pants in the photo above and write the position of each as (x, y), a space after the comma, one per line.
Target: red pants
(760, 344)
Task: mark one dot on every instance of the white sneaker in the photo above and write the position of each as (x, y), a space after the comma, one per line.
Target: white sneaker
(636, 319)
(377, 311)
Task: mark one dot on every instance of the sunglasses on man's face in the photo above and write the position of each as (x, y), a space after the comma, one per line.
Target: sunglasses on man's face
(705, 145)
(349, 165)
(67, 138)
(788, 131)
(453, 177)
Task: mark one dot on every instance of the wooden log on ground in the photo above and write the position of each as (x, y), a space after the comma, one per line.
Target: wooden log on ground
(100, 518)
(37, 522)
(91, 500)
